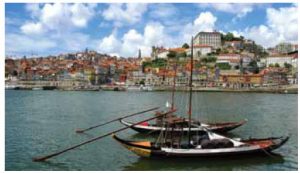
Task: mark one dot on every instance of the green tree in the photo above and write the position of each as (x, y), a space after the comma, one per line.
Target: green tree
(204, 60)
(185, 45)
(15, 73)
(224, 66)
(159, 63)
(142, 82)
(253, 66)
(277, 65)
(182, 54)
(211, 59)
(229, 36)
(271, 65)
(218, 51)
(253, 63)
(171, 54)
(287, 65)
(146, 64)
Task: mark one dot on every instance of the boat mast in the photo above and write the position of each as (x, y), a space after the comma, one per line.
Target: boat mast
(191, 86)
(174, 83)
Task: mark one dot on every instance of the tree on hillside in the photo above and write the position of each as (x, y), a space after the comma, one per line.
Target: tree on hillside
(287, 65)
(171, 54)
(229, 36)
(253, 66)
(180, 55)
(185, 45)
(224, 66)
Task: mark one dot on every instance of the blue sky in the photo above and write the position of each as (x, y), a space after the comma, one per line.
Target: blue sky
(122, 29)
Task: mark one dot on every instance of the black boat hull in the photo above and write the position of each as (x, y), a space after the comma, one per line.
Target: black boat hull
(144, 149)
(214, 128)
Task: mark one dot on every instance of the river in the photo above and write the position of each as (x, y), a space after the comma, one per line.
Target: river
(41, 122)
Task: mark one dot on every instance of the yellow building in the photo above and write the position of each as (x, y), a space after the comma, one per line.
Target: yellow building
(241, 80)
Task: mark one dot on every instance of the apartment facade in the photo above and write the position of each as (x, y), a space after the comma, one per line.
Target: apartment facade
(279, 59)
(208, 38)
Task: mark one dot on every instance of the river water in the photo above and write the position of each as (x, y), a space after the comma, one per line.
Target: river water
(41, 122)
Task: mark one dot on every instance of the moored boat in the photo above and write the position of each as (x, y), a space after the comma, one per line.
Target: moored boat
(213, 146)
(173, 143)
(215, 127)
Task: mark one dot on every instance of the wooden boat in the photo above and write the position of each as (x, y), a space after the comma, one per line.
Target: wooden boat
(169, 149)
(215, 127)
(204, 143)
(157, 127)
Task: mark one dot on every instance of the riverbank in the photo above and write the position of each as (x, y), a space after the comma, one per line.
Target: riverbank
(281, 90)
(287, 89)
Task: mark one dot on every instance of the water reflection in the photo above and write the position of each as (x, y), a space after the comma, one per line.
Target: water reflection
(221, 163)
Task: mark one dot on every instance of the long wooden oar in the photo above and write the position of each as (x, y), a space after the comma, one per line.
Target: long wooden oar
(40, 159)
(90, 128)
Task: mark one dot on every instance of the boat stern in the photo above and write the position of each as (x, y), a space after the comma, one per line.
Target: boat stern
(142, 148)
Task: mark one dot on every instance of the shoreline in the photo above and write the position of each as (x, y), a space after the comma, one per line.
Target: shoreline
(289, 89)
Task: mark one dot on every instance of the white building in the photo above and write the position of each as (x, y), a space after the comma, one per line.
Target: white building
(279, 59)
(162, 54)
(135, 77)
(208, 38)
(246, 60)
(295, 62)
(199, 50)
(286, 47)
(232, 59)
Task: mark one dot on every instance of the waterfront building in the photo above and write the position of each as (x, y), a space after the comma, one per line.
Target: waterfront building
(278, 59)
(182, 78)
(135, 77)
(241, 80)
(212, 39)
(274, 76)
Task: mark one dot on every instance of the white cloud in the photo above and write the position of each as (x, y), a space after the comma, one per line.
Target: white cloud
(240, 10)
(20, 44)
(124, 14)
(110, 45)
(132, 41)
(76, 41)
(162, 11)
(204, 22)
(32, 28)
(58, 17)
(81, 14)
(284, 21)
(54, 26)
(34, 9)
(154, 35)
(281, 26)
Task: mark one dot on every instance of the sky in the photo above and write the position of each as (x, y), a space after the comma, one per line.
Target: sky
(123, 29)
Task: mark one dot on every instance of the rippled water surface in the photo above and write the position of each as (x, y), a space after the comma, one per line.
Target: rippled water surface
(40, 122)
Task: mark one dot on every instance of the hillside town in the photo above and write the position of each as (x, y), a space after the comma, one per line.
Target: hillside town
(221, 62)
